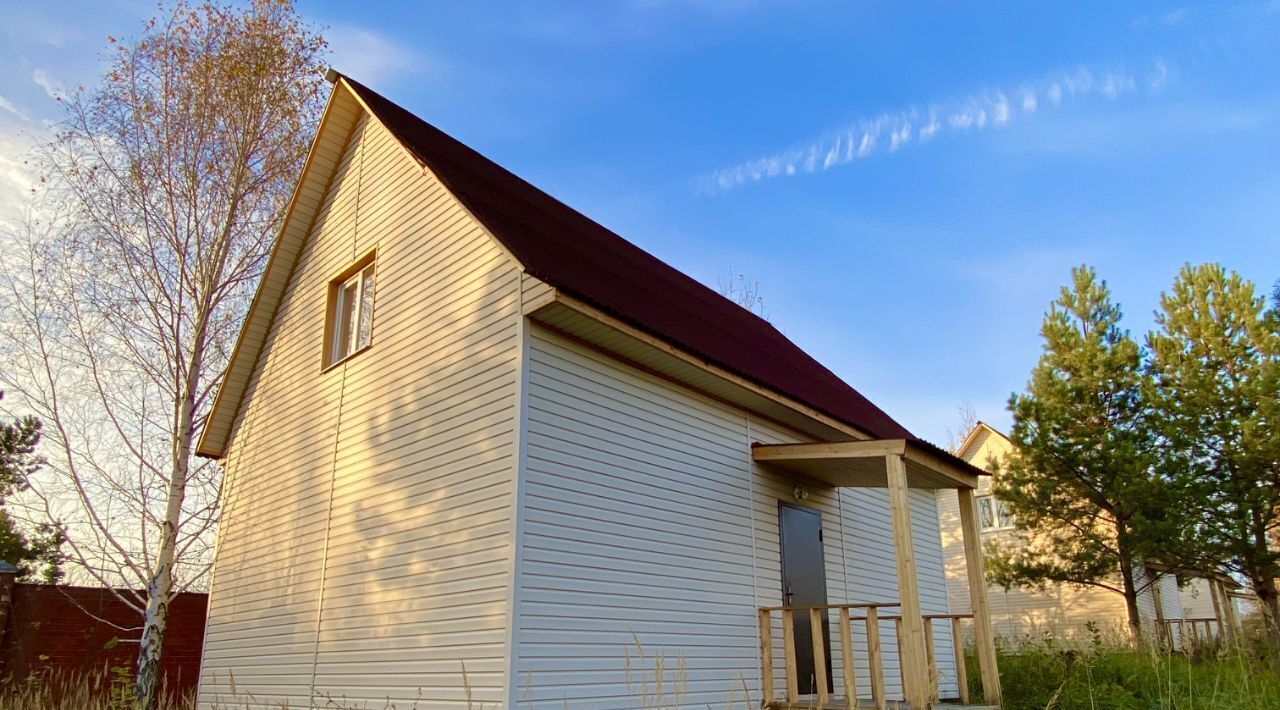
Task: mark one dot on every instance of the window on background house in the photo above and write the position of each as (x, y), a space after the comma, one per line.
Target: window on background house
(992, 514)
(350, 317)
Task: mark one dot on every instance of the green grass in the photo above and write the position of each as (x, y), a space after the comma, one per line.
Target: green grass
(1043, 674)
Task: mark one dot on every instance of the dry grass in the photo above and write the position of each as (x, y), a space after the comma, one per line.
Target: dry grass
(1037, 674)
(654, 682)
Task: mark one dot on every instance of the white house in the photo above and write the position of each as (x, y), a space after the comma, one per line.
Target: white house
(466, 426)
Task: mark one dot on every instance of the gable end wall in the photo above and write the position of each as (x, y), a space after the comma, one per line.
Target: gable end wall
(365, 544)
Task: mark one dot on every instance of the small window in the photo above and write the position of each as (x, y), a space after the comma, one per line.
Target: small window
(992, 514)
(350, 321)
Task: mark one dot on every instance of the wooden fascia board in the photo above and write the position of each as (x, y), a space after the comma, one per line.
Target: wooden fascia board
(561, 298)
(924, 457)
(874, 448)
(245, 353)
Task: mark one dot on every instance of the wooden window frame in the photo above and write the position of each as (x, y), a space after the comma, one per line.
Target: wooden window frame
(329, 356)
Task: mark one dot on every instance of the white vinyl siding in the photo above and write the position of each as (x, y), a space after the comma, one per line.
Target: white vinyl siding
(365, 547)
(1196, 600)
(647, 529)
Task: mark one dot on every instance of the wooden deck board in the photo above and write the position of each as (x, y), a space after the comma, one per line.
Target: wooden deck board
(839, 703)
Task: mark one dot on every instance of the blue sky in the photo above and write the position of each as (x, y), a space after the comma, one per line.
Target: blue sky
(910, 183)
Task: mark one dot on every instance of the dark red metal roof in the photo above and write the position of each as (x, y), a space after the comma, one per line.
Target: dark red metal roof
(568, 250)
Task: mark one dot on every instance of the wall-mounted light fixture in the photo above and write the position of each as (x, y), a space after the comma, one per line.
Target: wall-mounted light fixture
(800, 493)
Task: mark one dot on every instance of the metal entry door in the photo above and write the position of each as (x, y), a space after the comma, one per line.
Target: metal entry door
(804, 583)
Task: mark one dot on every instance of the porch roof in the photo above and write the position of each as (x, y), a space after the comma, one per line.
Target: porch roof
(864, 464)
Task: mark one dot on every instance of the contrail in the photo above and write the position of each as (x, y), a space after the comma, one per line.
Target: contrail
(893, 130)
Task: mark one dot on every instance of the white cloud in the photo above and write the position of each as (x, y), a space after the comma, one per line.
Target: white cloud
(1000, 110)
(1029, 102)
(51, 86)
(1159, 77)
(977, 112)
(373, 58)
(931, 128)
(7, 105)
(16, 175)
(899, 136)
(866, 145)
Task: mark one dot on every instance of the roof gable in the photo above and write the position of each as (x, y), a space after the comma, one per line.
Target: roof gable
(340, 116)
(568, 250)
(556, 244)
(977, 440)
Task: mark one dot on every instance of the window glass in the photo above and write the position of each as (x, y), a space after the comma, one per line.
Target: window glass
(346, 319)
(366, 309)
(992, 515)
(1003, 518)
(986, 515)
(352, 317)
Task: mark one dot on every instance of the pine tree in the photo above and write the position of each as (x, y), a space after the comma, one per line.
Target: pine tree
(37, 555)
(1079, 481)
(1215, 384)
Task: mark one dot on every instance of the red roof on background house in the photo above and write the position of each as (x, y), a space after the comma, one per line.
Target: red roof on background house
(571, 252)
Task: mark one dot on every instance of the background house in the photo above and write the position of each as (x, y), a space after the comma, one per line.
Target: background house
(1060, 609)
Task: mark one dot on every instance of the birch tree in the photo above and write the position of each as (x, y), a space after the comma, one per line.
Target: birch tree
(164, 187)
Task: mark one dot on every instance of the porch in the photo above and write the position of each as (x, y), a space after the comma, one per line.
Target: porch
(896, 465)
(872, 617)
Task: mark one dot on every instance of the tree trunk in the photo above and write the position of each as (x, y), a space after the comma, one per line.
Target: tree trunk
(1269, 599)
(160, 589)
(1130, 589)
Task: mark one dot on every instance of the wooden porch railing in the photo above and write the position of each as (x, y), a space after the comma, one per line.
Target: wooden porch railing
(870, 615)
(1192, 632)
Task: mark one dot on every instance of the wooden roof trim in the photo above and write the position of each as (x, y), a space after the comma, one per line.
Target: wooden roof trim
(872, 448)
(964, 476)
(266, 300)
(556, 296)
(938, 461)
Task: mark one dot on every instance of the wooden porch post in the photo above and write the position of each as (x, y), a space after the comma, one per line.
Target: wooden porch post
(1228, 611)
(1162, 637)
(915, 675)
(983, 636)
(1218, 610)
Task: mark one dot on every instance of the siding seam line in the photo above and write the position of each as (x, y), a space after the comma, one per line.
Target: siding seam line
(337, 438)
(751, 521)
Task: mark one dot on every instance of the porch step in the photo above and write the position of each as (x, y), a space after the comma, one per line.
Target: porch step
(838, 703)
